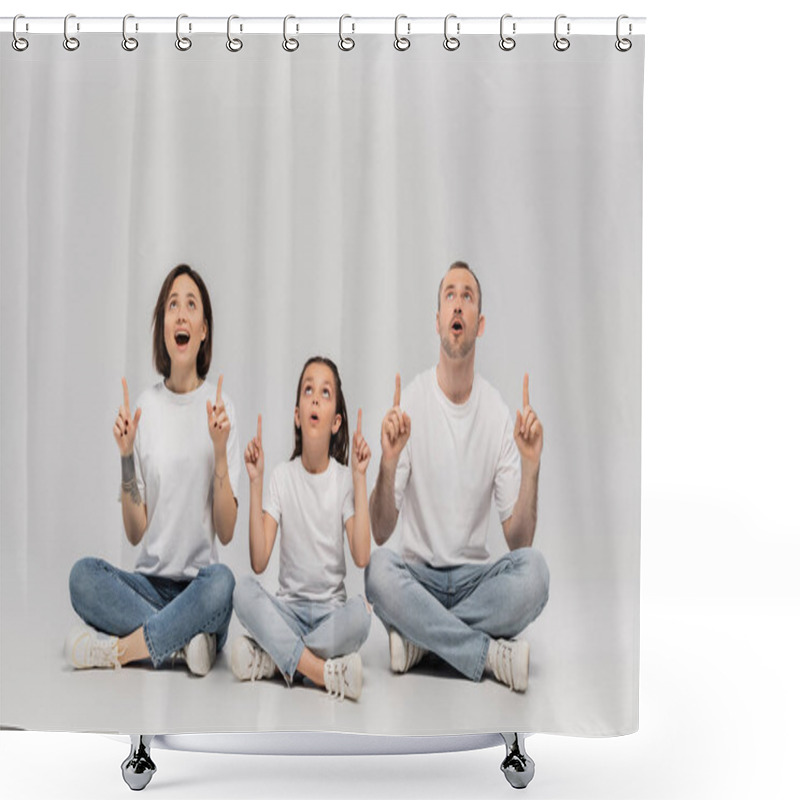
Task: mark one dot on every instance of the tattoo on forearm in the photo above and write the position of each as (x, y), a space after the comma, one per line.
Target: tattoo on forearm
(129, 485)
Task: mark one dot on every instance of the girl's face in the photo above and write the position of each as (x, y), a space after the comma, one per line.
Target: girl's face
(316, 413)
(184, 323)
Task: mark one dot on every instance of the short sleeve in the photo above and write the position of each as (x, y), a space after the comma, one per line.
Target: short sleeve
(234, 451)
(348, 503)
(272, 501)
(507, 474)
(402, 474)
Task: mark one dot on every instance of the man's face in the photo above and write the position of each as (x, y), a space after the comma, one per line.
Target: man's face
(458, 322)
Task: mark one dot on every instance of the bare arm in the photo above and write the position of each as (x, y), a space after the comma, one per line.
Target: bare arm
(395, 432)
(520, 527)
(357, 526)
(263, 527)
(134, 511)
(224, 506)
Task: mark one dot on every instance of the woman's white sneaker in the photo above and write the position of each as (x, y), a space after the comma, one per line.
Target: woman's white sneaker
(200, 654)
(249, 662)
(343, 676)
(87, 648)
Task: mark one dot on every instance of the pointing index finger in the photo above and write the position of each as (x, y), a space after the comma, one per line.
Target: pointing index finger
(258, 434)
(219, 390)
(358, 426)
(526, 400)
(126, 398)
(397, 389)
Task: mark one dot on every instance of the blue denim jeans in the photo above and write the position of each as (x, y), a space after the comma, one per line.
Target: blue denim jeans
(170, 611)
(285, 627)
(454, 611)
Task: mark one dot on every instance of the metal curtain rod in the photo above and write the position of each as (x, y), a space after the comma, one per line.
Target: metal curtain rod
(463, 26)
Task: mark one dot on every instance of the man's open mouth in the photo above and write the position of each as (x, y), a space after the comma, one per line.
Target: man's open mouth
(457, 326)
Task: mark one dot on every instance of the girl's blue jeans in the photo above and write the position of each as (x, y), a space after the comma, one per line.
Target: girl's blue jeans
(170, 611)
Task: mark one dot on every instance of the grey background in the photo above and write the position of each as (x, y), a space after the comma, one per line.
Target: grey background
(322, 196)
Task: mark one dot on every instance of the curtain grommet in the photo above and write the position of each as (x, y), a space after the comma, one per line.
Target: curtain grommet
(129, 43)
(507, 42)
(561, 43)
(183, 43)
(401, 43)
(289, 44)
(623, 44)
(19, 43)
(346, 43)
(233, 44)
(451, 43)
(70, 43)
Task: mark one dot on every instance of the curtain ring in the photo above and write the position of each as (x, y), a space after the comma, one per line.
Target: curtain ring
(70, 42)
(451, 42)
(234, 45)
(183, 43)
(507, 42)
(290, 44)
(129, 43)
(401, 42)
(561, 43)
(623, 45)
(18, 43)
(346, 42)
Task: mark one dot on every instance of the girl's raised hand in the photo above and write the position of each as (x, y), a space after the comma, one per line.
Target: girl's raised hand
(254, 456)
(219, 426)
(124, 426)
(361, 451)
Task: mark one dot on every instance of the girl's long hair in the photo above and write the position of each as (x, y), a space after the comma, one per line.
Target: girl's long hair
(340, 441)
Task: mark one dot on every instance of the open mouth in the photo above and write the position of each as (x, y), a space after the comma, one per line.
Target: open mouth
(457, 326)
(182, 338)
(315, 417)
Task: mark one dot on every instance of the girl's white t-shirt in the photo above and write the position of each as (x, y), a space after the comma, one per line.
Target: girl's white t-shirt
(174, 459)
(456, 460)
(311, 511)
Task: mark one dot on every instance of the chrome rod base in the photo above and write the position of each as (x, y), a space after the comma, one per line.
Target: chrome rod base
(138, 768)
(517, 766)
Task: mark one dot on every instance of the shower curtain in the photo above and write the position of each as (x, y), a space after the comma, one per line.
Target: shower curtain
(322, 194)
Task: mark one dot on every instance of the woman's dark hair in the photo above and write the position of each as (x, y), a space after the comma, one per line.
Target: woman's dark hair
(161, 357)
(340, 441)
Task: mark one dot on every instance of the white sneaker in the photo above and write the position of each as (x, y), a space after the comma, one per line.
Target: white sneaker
(200, 654)
(403, 654)
(509, 661)
(86, 648)
(249, 662)
(343, 676)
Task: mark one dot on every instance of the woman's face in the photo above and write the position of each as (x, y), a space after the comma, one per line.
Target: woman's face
(184, 323)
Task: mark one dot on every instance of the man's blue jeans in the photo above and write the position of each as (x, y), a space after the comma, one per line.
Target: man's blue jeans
(285, 628)
(171, 611)
(454, 611)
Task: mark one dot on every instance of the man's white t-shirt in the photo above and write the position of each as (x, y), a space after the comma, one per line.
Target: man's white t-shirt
(311, 511)
(174, 458)
(456, 460)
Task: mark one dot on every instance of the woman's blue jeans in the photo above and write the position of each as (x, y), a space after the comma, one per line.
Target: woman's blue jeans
(285, 628)
(454, 611)
(170, 611)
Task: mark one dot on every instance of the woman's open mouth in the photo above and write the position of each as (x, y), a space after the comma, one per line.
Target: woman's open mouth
(182, 338)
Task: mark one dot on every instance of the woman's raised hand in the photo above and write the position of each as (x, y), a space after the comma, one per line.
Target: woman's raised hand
(254, 456)
(124, 426)
(219, 426)
(361, 451)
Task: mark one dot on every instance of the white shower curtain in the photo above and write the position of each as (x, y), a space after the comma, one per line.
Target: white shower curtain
(322, 195)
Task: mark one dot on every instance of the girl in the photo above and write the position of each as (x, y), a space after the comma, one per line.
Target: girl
(310, 627)
(177, 494)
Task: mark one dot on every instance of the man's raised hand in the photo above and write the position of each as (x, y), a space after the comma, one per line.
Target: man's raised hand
(124, 426)
(528, 433)
(395, 429)
(219, 426)
(254, 456)
(361, 451)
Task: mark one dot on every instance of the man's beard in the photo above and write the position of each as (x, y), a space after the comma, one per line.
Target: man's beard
(461, 350)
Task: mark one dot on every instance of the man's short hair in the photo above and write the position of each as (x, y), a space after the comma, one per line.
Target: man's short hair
(460, 265)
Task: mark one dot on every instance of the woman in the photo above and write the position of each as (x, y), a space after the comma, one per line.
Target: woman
(180, 466)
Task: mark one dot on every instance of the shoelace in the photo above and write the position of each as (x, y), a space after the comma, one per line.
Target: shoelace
(503, 666)
(335, 673)
(103, 652)
(260, 659)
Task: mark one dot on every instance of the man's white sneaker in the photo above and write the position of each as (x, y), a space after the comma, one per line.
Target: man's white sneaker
(200, 654)
(249, 662)
(86, 648)
(509, 661)
(343, 676)
(403, 654)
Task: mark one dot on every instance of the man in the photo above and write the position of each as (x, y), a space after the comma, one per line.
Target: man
(443, 595)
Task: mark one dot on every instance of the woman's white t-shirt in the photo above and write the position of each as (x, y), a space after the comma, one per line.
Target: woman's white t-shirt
(174, 459)
(311, 511)
(457, 459)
